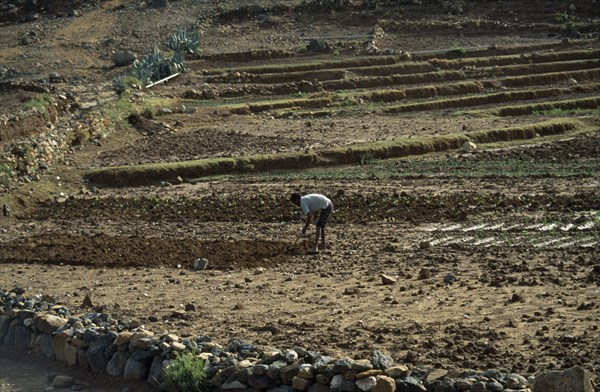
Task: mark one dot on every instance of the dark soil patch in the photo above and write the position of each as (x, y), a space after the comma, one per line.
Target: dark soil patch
(110, 251)
(196, 144)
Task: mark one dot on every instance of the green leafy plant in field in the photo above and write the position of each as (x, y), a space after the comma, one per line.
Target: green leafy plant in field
(564, 112)
(457, 50)
(6, 174)
(123, 83)
(185, 373)
(563, 17)
(39, 103)
(366, 158)
(118, 111)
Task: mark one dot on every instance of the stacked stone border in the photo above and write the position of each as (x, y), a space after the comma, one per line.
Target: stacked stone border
(124, 349)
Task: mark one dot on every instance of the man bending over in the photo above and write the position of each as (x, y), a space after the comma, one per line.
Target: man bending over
(311, 205)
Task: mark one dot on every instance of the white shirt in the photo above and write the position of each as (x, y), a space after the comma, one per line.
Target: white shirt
(313, 203)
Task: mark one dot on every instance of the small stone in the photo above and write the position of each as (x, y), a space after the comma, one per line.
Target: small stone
(200, 264)
(301, 384)
(171, 337)
(368, 373)
(87, 302)
(397, 371)
(123, 338)
(494, 386)
(469, 147)
(178, 314)
(436, 374)
(424, 273)
(387, 280)
(516, 298)
(449, 279)
(160, 4)
(515, 381)
(366, 383)
(62, 382)
(234, 386)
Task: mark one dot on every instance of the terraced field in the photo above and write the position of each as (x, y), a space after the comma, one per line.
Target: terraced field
(316, 112)
(467, 175)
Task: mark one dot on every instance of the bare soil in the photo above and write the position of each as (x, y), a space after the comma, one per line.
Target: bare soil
(489, 271)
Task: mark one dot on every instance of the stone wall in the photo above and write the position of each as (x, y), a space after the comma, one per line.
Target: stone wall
(124, 349)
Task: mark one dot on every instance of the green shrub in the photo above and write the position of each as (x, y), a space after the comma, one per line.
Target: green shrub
(185, 373)
(457, 50)
(6, 174)
(123, 83)
(39, 103)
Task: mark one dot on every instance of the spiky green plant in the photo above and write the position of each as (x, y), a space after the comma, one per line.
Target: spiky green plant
(119, 84)
(185, 42)
(156, 66)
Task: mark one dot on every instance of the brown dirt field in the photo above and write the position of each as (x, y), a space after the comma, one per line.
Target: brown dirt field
(491, 270)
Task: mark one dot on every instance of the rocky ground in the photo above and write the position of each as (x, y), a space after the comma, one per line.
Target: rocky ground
(437, 268)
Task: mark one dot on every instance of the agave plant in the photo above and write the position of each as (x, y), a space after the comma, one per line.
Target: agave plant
(119, 84)
(184, 42)
(176, 63)
(151, 67)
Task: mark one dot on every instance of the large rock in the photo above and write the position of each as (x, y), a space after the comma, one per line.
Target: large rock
(156, 376)
(384, 384)
(137, 366)
(70, 354)
(45, 345)
(82, 358)
(116, 365)
(48, 323)
(18, 336)
(287, 373)
(4, 325)
(95, 354)
(381, 361)
(123, 58)
(59, 341)
(575, 379)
